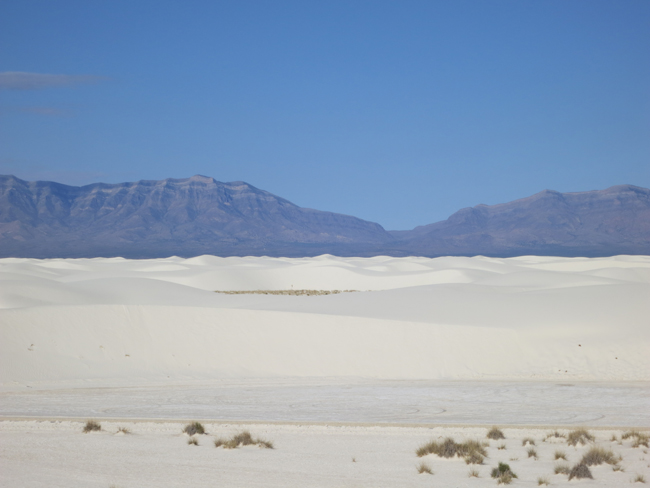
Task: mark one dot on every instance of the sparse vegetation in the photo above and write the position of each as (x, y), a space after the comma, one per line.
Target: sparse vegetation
(472, 451)
(580, 471)
(640, 439)
(639, 479)
(501, 447)
(532, 452)
(424, 468)
(543, 480)
(528, 440)
(245, 439)
(562, 469)
(597, 455)
(91, 426)
(193, 441)
(194, 428)
(473, 473)
(560, 455)
(503, 474)
(555, 435)
(579, 436)
(123, 430)
(495, 434)
(618, 467)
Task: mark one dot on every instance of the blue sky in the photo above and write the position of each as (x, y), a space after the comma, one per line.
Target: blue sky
(398, 112)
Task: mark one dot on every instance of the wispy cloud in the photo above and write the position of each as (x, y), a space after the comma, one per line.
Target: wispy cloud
(19, 80)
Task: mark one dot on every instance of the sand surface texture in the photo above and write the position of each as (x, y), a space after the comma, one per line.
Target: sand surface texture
(346, 385)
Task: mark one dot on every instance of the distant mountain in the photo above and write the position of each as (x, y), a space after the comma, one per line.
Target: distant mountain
(200, 215)
(197, 215)
(594, 223)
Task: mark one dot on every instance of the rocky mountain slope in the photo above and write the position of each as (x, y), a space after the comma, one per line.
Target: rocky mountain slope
(200, 215)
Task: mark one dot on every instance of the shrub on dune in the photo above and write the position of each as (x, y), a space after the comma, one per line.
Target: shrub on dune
(424, 468)
(242, 439)
(580, 471)
(597, 455)
(495, 434)
(561, 469)
(472, 451)
(579, 436)
(194, 428)
(91, 426)
(503, 474)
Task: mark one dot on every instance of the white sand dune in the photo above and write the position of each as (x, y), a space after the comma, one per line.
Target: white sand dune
(118, 321)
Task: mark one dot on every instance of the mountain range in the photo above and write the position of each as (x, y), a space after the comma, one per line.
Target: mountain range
(199, 215)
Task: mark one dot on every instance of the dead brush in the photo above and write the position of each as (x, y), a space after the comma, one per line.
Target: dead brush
(562, 469)
(597, 456)
(532, 452)
(560, 455)
(123, 430)
(579, 436)
(640, 439)
(91, 426)
(194, 428)
(424, 468)
(639, 479)
(554, 435)
(580, 471)
(242, 439)
(193, 441)
(472, 451)
(528, 440)
(495, 434)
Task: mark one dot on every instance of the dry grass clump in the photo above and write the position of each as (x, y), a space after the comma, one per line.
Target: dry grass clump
(472, 451)
(194, 428)
(597, 455)
(528, 440)
(579, 436)
(242, 439)
(640, 439)
(192, 441)
(91, 426)
(560, 455)
(495, 434)
(639, 479)
(543, 480)
(532, 452)
(562, 469)
(501, 447)
(555, 435)
(618, 467)
(580, 471)
(473, 473)
(503, 474)
(424, 468)
(123, 430)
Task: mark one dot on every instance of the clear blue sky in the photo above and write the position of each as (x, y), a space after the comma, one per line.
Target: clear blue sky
(398, 112)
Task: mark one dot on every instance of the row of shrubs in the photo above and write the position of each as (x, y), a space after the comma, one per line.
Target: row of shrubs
(473, 452)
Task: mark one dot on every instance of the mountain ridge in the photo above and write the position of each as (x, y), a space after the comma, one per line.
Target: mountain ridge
(200, 215)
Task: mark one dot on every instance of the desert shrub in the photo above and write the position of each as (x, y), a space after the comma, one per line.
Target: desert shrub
(123, 430)
(194, 428)
(528, 440)
(597, 455)
(560, 455)
(192, 441)
(503, 474)
(449, 448)
(580, 471)
(639, 479)
(532, 452)
(618, 467)
(424, 468)
(495, 434)
(242, 439)
(473, 473)
(555, 435)
(640, 439)
(91, 426)
(579, 436)
(562, 469)
(543, 480)
(501, 447)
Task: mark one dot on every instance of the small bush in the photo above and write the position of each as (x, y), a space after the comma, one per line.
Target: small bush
(242, 439)
(91, 426)
(501, 447)
(640, 439)
(579, 436)
(639, 479)
(618, 467)
(123, 430)
(450, 448)
(561, 469)
(424, 468)
(555, 435)
(580, 471)
(503, 474)
(495, 434)
(597, 455)
(473, 473)
(194, 428)
(543, 480)
(560, 455)
(532, 452)
(192, 441)
(473, 458)
(528, 440)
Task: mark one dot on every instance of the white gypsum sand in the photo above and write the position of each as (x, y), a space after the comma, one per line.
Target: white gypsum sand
(530, 341)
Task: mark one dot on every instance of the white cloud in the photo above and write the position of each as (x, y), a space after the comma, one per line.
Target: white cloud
(19, 80)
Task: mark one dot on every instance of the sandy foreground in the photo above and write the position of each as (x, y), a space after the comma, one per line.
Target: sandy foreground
(346, 385)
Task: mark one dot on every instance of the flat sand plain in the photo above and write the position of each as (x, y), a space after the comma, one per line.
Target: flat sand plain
(346, 385)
